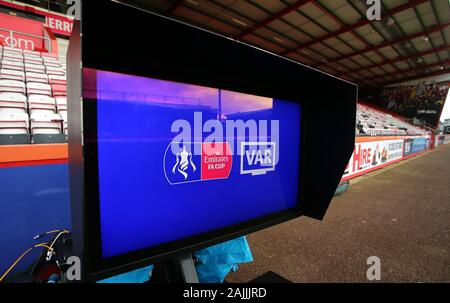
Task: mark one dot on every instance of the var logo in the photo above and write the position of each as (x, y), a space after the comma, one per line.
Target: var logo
(257, 158)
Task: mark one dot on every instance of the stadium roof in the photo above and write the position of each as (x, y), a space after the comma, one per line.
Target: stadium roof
(410, 41)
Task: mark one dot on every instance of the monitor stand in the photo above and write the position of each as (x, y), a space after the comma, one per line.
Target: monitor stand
(179, 269)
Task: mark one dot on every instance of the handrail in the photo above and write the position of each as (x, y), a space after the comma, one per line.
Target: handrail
(11, 32)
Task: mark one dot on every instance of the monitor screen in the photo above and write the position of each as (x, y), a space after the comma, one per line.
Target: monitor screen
(177, 160)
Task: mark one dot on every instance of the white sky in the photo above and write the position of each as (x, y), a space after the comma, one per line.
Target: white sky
(446, 111)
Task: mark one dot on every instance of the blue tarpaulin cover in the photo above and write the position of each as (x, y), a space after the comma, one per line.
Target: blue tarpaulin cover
(140, 275)
(214, 263)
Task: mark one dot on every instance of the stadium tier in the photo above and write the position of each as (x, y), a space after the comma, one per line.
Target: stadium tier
(33, 104)
(371, 122)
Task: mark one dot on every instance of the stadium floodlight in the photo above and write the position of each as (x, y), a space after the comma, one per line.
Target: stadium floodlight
(192, 139)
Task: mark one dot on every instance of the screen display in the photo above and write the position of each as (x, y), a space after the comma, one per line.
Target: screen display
(178, 160)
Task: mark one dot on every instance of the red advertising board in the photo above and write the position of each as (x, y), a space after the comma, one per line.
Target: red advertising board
(58, 24)
(373, 153)
(21, 33)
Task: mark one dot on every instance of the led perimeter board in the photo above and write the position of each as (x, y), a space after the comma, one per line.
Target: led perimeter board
(180, 138)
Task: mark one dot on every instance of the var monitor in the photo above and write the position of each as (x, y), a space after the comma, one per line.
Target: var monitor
(192, 140)
(177, 160)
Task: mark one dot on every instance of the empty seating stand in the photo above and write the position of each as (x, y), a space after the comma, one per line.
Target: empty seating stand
(371, 122)
(33, 104)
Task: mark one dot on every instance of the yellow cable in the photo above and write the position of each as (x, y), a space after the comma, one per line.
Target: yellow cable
(53, 231)
(23, 255)
(56, 238)
(49, 248)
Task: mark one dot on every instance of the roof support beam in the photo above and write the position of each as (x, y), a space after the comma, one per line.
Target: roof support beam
(413, 56)
(360, 23)
(272, 18)
(173, 7)
(435, 73)
(334, 70)
(412, 69)
(388, 43)
(354, 34)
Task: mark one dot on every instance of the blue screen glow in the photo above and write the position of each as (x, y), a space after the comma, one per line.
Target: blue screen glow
(178, 160)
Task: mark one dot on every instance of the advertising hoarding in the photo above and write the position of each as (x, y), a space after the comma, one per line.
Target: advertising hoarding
(371, 155)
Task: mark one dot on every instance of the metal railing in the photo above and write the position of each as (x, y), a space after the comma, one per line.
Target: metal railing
(10, 36)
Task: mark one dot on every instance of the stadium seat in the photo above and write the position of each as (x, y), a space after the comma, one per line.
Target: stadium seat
(46, 128)
(63, 114)
(31, 53)
(16, 65)
(12, 86)
(12, 56)
(59, 90)
(371, 122)
(61, 103)
(55, 79)
(14, 128)
(50, 63)
(13, 102)
(10, 74)
(34, 68)
(37, 77)
(49, 56)
(12, 50)
(41, 104)
(50, 70)
(32, 59)
(39, 88)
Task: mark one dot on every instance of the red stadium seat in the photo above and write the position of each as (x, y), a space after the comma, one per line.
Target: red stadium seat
(59, 90)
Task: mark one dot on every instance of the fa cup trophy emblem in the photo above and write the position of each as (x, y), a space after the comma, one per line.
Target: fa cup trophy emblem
(184, 159)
